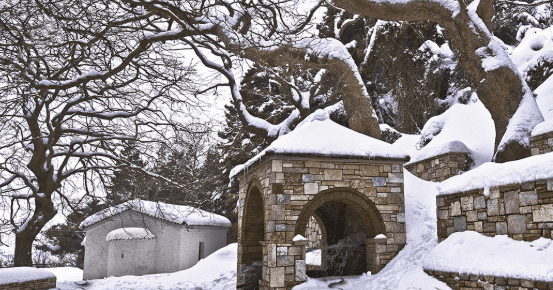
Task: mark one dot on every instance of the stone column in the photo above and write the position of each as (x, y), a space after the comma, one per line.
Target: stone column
(375, 248)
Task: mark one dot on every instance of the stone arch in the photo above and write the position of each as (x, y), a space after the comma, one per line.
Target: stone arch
(369, 214)
(347, 218)
(252, 234)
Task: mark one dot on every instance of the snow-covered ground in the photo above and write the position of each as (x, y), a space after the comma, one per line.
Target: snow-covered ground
(218, 271)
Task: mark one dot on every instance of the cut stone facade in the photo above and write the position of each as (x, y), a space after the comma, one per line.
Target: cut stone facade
(30, 285)
(521, 211)
(441, 167)
(313, 233)
(487, 282)
(541, 144)
(280, 194)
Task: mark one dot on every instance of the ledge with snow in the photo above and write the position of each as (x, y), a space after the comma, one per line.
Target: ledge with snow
(26, 278)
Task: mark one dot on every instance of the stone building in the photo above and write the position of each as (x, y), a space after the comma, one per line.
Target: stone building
(143, 237)
(350, 184)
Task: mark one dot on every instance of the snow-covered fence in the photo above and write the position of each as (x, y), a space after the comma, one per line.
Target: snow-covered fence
(26, 278)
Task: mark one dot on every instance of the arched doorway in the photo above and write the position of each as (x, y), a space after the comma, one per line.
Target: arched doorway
(347, 219)
(252, 236)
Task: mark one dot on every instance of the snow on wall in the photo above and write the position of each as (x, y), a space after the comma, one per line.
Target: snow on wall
(495, 174)
(179, 214)
(323, 137)
(130, 234)
(544, 98)
(472, 253)
(23, 274)
(462, 128)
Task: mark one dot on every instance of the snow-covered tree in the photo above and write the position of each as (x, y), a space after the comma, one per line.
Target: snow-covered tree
(78, 79)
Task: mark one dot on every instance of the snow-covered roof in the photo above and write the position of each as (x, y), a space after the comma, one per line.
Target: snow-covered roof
(23, 274)
(495, 174)
(473, 253)
(130, 233)
(180, 214)
(326, 138)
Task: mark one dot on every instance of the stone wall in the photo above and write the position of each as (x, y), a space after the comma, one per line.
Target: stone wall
(441, 167)
(293, 187)
(542, 144)
(31, 285)
(313, 233)
(521, 211)
(487, 282)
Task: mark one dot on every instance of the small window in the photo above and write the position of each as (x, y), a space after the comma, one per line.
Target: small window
(201, 251)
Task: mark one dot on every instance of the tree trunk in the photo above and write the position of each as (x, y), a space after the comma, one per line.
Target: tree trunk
(25, 235)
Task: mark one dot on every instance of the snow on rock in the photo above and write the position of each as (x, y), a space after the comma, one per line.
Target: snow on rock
(495, 174)
(542, 128)
(537, 43)
(180, 214)
(449, 147)
(299, 237)
(464, 128)
(321, 136)
(544, 98)
(64, 274)
(23, 274)
(130, 233)
(473, 253)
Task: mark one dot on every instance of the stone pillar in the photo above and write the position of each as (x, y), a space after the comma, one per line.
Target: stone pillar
(376, 248)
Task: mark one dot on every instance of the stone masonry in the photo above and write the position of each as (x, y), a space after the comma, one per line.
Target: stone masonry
(280, 193)
(313, 233)
(41, 284)
(441, 167)
(521, 211)
(542, 144)
(487, 282)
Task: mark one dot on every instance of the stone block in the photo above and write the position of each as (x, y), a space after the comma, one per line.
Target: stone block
(276, 166)
(307, 178)
(494, 192)
(478, 227)
(315, 164)
(516, 224)
(379, 181)
(550, 184)
(370, 170)
(396, 168)
(283, 261)
(455, 209)
(542, 213)
(300, 270)
(482, 216)
(276, 277)
(400, 217)
(489, 228)
(277, 212)
(511, 200)
(493, 207)
(443, 214)
(271, 261)
(472, 216)
(295, 251)
(501, 228)
(460, 223)
(395, 197)
(467, 203)
(310, 188)
(395, 177)
(282, 251)
(479, 202)
(283, 199)
(333, 174)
